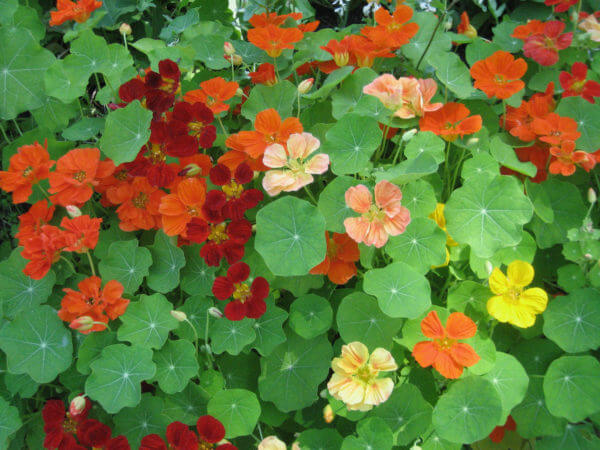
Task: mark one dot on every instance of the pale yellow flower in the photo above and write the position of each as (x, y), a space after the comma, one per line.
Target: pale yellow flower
(271, 443)
(592, 26)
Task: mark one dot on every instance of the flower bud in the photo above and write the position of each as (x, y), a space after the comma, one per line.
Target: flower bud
(77, 405)
(408, 135)
(83, 323)
(588, 256)
(228, 48)
(179, 315)
(328, 414)
(237, 60)
(191, 170)
(489, 268)
(305, 86)
(239, 92)
(448, 24)
(592, 198)
(215, 312)
(125, 29)
(296, 446)
(471, 32)
(271, 443)
(73, 211)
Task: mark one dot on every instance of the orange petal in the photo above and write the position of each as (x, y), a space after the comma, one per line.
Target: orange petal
(425, 353)
(464, 354)
(445, 365)
(432, 327)
(460, 326)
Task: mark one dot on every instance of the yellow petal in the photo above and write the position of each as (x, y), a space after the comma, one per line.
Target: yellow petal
(379, 391)
(382, 360)
(354, 355)
(498, 308)
(341, 368)
(504, 311)
(520, 273)
(352, 393)
(498, 282)
(336, 383)
(522, 317)
(535, 298)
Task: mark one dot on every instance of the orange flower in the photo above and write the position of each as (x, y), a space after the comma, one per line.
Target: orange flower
(364, 51)
(43, 250)
(274, 40)
(27, 167)
(465, 27)
(79, 11)
(444, 352)
(340, 51)
(264, 19)
(499, 75)
(31, 223)
(213, 93)
(82, 233)
(451, 121)
(392, 30)
(139, 202)
(555, 129)
(265, 74)
(531, 28)
(179, 208)
(564, 159)
(76, 174)
(269, 129)
(342, 253)
(92, 301)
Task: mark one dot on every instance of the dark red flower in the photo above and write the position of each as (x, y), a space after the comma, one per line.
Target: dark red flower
(162, 86)
(224, 241)
(190, 127)
(577, 84)
(561, 5)
(59, 426)
(118, 443)
(93, 433)
(134, 89)
(210, 429)
(248, 301)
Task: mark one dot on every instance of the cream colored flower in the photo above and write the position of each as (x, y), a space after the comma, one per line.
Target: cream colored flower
(592, 26)
(271, 443)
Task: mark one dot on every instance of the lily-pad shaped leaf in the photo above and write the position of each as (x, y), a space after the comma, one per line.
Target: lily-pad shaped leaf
(422, 245)
(127, 263)
(37, 343)
(126, 131)
(290, 236)
(468, 294)
(196, 309)
(425, 142)
(325, 439)
(67, 79)
(310, 316)
(351, 98)
(360, 319)
(91, 347)
(209, 50)
(55, 115)
(452, 72)
(468, 411)
(506, 156)
(586, 115)
(409, 170)
(176, 364)
(419, 197)
(268, 329)
(196, 277)
(291, 374)
(400, 290)
(148, 321)
(572, 387)
(231, 336)
(86, 129)
(480, 165)
(573, 321)
(576, 436)
(10, 420)
(237, 409)
(186, 406)
(332, 80)
(167, 261)
(540, 200)
(372, 432)
(20, 292)
(332, 203)
(510, 380)
(425, 38)
(280, 97)
(488, 214)
(351, 142)
(117, 375)
(93, 51)
(142, 420)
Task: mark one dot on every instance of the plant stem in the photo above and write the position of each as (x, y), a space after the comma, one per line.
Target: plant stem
(440, 20)
(310, 195)
(298, 93)
(125, 41)
(206, 344)
(222, 126)
(93, 269)
(69, 263)
(43, 190)
(504, 114)
(8, 141)
(17, 127)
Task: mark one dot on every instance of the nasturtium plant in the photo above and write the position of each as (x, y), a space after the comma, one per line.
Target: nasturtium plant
(342, 225)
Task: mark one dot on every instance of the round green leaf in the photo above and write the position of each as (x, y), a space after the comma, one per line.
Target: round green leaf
(468, 411)
(406, 413)
(37, 343)
(290, 236)
(576, 436)
(237, 409)
(186, 406)
(419, 197)
(93, 50)
(268, 329)
(428, 143)
(310, 316)
(332, 203)
(127, 263)
(142, 420)
(570, 277)
(488, 214)
(351, 98)
(573, 321)
(117, 374)
(55, 115)
(572, 387)
(452, 72)
(167, 261)
(422, 245)
(196, 309)
(586, 115)
(360, 319)
(290, 376)
(67, 78)
(536, 354)
(176, 364)
(20, 292)
(147, 322)
(91, 347)
(280, 97)
(240, 371)
(468, 293)
(325, 439)
(209, 50)
(9, 421)
(486, 349)
(400, 290)
(196, 277)
(231, 336)
(84, 130)
(425, 38)
(126, 131)
(510, 381)
(351, 142)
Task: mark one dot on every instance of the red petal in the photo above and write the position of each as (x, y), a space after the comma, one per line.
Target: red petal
(210, 429)
(222, 288)
(220, 175)
(169, 69)
(260, 288)
(238, 272)
(243, 173)
(255, 308)
(235, 310)
(153, 442)
(197, 230)
(93, 433)
(233, 252)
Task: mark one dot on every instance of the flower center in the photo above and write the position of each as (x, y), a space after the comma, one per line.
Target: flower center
(80, 176)
(500, 79)
(445, 343)
(196, 128)
(203, 445)
(365, 373)
(217, 233)
(233, 190)
(121, 175)
(578, 86)
(69, 425)
(156, 154)
(168, 85)
(27, 171)
(374, 213)
(549, 43)
(140, 201)
(332, 249)
(241, 292)
(341, 59)
(512, 295)
(192, 211)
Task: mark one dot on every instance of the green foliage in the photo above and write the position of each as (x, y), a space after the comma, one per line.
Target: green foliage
(237, 409)
(127, 263)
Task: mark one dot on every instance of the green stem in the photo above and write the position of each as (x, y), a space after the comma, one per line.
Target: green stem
(112, 90)
(195, 333)
(80, 108)
(222, 126)
(232, 69)
(4, 133)
(298, 114)
(69, 263)
(17, 127)
(92, 268)
(125, 41)
(310, 195)
(437, 26)
(206, 344)
(42, 190)
(97, 82)
(504, 114)
(276, 70)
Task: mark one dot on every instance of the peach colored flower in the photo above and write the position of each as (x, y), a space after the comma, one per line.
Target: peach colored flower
(355, 379)
(592, 26)
(293, 168)
(387, 217)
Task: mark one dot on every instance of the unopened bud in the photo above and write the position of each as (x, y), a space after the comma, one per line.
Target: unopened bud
(588, 256)
(179, 315)
(271, 443)
(215, 312)
(239, 92)
(408, 135)
(592, 198)
(191, 170)
(489, 268)
(77, 405)
(306, 85)
(574, 16)
(328, 414)
(125, 29)
(471, 32)
(228, 48)
(237, 60)
(448, 24)
(73, 211)
(83, 323)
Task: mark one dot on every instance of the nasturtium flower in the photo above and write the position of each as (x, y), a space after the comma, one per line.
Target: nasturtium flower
(444, 352)
(451, 121)
(248, 300)
(543, 47)
(513, 303)
(82, 233)
(210, 432)
(30, 165)
(213, 93)
(79, 11)
(591, 25)
(339, 263)
(138, 204)
(31, 222)
(497, 434)
(386, 217)
(554, 129)
(438, 217)
(392, 30)
(561, 5)
(42, 250)
(190, 126)
(264, 19)
(499, 75)
(565, 158)
(264, 74)
(355, 380)
(465, 27)
(60, 426)
(180, 207)
(531, 28)
(293, 165)
(577, 84)
(273, 40)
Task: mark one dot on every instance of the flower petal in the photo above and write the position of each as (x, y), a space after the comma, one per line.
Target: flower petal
(460, 326)
(535, 298)
(359, 198)
(275, 156)
(520, 273)
(464, 354)
(498, 282)
(382, 360)
(432, 327)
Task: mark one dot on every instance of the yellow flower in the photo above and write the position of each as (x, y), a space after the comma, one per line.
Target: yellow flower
(271, 443)
(511, 303)
(355, 380)
(438, 216)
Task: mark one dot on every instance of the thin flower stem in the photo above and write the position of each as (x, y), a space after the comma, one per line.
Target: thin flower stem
(298, 114)
(125, 41)
(437, 26)
(310, 195)
(222, 126)
(195, 333)
(4, 133)
(107, 82)
(504, 114)
(276, 70)
(92, 268)
(80, 107)
(17, 127)
(206, 344)
(69, 263)
(42, 190)
(232, 69)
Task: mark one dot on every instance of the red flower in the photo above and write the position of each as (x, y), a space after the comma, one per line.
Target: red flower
(213, 93)
(497, 433)
(553, 129)
(190, 127)
(529, 29)
(499, 75)
(577, 84)
(248, 301)
(60, 426)
(210, 429)
(27, 167)
(139, 202)
(265, 74)
(184, 204)
(43, 250)
(340, 51)
(465, 27)
(82, 233)
(543, 47)
(93, 433)
(162, 86)
(31, 222)
(264, 19)
(180, 437)
(222, 240)
(342, 253)
(560, 5)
